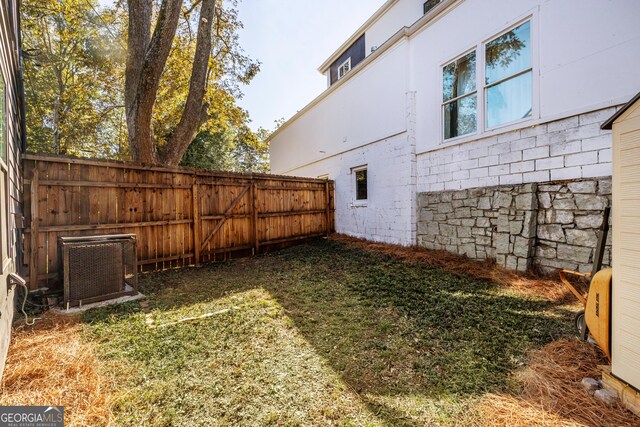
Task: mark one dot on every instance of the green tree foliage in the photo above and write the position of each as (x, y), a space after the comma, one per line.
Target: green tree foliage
(234, 149)
(74, 81)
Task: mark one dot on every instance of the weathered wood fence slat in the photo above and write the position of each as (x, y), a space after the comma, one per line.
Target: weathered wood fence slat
(181, 217)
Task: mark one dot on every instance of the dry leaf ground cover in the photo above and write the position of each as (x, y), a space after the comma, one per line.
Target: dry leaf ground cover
(333, 333)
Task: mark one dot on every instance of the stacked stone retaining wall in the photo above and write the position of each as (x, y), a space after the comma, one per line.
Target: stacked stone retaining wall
(545, 226)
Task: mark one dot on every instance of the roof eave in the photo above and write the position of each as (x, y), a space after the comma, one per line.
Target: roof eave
(363, 28)
(608, 125)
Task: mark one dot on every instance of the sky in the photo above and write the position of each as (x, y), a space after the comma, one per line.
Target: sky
(291, 38)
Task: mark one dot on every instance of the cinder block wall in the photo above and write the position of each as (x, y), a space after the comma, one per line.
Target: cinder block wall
(545, 226)
(570, 148)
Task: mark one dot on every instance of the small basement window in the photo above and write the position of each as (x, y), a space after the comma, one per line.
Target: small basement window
(361, 184)
(344, 68)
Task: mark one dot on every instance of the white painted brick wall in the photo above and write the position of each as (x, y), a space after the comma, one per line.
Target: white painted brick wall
(569, 148)
(389, 214)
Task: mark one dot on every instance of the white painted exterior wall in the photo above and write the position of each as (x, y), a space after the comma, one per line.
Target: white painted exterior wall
(585, 56)
(402, 14)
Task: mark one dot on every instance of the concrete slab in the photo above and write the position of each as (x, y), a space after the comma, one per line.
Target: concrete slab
(83, 308)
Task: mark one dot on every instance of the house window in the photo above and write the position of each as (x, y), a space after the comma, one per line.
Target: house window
(361, 184)
(505, 78)
(509, 77)
(3, 121)
(460, 96)
(428, 5)
(344, 68)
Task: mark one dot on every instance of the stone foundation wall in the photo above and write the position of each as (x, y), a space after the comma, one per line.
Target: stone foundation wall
(546, 226)
(569, 216)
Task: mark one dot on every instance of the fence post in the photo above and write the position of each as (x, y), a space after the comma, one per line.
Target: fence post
(35, 229)
(327, 210)
(196, 223)
(255, 218)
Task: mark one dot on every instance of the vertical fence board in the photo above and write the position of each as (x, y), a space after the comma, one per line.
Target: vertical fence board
(181, 217)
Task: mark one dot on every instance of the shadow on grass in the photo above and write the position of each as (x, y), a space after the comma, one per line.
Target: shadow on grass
(390, 329)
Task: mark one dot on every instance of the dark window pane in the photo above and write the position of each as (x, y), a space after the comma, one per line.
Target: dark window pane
(459, 77)
(460, 117)
(361, 185)
(509, 100)
(428, 5)
(509, 54)
(3, 121)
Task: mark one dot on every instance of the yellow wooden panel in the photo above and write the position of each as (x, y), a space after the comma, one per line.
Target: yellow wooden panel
(626, 248)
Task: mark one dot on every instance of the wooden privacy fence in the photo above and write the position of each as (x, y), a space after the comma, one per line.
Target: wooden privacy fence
(181, 217)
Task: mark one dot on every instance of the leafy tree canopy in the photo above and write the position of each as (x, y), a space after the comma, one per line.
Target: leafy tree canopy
(75, 52)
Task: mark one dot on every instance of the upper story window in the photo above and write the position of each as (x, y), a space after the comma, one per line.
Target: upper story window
(428, 5)
(344, 68)
(460, 96)
(347, 61)
(506, 83)
(509, 77)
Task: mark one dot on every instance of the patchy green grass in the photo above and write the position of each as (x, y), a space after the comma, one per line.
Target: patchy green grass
(318, 334)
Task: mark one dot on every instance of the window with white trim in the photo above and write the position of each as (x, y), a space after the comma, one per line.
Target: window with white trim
(504, 87)
(460, 96)
(344, 68)
(509, 77)
(361, 189)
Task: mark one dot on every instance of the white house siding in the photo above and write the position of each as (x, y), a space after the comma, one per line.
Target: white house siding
(578, 47)
(402, 14)
(368, 107)
(389, 213)
(369, 121)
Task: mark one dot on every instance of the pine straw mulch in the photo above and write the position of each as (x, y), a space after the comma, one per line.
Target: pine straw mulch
(551, 394)
(529, 284)
(50, 364)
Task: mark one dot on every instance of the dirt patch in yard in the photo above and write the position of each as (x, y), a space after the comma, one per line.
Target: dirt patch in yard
(50, 364)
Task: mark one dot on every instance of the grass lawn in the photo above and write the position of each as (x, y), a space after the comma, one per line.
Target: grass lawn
(318, 334)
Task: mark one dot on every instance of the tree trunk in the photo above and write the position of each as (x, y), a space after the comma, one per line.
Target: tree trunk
(146, 59)
(139, 34)
(192, 115)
